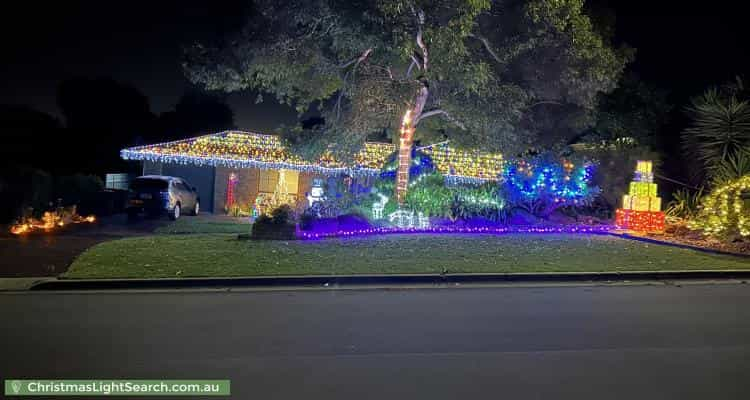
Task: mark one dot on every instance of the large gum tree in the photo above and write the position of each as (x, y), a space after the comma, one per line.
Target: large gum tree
(480, 73)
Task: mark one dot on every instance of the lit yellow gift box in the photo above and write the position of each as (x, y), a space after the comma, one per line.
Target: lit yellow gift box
(655, 204)
(644, 166)
(641, 203)
(642, 189)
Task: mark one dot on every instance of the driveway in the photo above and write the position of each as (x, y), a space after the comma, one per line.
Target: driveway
(50, 254)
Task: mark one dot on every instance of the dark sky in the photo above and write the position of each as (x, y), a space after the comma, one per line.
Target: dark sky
(680, 48)
(133, 42)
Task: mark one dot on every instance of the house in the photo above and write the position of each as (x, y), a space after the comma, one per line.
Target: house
(242, 168)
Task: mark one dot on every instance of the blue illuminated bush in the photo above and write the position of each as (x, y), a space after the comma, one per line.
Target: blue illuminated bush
(542, 184)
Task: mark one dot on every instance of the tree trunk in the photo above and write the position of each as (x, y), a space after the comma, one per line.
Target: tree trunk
(406, 141)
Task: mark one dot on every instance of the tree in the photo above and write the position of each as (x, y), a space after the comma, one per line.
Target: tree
(196, 113)
(30, 137)
(635, 110)
(473, 70)
(105, 115)
(720, 126)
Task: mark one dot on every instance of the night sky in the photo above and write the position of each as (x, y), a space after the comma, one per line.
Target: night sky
(680, 48)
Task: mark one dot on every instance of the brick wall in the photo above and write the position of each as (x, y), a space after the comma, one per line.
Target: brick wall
(247, 187)
(244, 192)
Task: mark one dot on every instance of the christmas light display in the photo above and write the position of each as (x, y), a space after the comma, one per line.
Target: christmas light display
(402, 218)
(491, 230)
(724, 211)
(236, 149)
(475, 165)
(379, 206)
(316, 192)
(231, 183)
(50, 221)
(544, 183)
(404, 157)
(641, 207)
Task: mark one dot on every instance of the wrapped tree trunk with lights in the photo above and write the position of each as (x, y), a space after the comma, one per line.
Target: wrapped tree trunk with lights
(489, 72)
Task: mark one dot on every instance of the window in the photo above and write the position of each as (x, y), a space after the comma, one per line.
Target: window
(270, 178)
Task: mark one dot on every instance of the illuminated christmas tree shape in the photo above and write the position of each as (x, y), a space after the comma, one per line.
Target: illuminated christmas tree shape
(279, 197)
(641, 207)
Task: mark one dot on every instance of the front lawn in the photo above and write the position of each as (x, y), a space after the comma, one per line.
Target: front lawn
(223, 255)
(206, 224)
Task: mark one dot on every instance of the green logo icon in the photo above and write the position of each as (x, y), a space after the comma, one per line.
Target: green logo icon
(16, 386)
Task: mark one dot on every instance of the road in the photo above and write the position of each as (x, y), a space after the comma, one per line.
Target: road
(582, 342)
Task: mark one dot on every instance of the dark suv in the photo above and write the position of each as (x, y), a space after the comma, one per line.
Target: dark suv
(157, 194)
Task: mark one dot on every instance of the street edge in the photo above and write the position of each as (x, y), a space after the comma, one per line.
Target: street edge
(385, 280)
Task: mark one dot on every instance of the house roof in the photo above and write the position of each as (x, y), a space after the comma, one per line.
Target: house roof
(238, 149)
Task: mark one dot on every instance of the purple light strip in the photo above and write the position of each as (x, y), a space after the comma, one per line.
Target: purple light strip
(582, 229)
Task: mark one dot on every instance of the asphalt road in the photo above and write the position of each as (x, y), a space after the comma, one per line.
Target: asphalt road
(621, 342)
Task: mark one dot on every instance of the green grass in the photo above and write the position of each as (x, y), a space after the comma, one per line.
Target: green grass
(203, 224)
(224, 255)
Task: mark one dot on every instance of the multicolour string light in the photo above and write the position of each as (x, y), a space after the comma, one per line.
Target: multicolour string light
(236, 149)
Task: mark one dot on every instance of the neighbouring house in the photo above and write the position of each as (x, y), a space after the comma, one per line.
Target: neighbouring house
(240, 168)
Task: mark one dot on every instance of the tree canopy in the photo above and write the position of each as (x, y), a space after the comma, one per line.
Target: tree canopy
(478, 72)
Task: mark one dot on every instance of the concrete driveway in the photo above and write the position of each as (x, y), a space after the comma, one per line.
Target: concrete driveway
(50, 254)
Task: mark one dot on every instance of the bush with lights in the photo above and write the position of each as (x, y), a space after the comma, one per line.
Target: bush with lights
(542, 184)
(430, 194)
(725, 212)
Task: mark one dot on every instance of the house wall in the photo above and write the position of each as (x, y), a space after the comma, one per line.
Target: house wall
(246, 189)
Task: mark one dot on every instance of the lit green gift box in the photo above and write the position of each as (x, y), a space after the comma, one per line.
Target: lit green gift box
(642, 189)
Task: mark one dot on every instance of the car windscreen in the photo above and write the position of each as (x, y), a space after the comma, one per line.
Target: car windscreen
(148, 184)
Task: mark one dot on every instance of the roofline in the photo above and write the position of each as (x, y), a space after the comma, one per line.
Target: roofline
(137, 153)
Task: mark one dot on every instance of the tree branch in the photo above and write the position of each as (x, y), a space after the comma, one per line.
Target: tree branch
(539, 103)
(357, 60)
(414, 63)
(420, 42)
(488, 47)
(444, 113)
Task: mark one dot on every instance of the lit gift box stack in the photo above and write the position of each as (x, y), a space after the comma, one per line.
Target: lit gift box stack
(641, 207)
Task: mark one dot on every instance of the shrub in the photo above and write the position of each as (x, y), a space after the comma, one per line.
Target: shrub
(725, 212)
(542, 184)
(685, 203)
(278, 226)
(734, 167)
(74, 189)
(282, 215)
(24, 187)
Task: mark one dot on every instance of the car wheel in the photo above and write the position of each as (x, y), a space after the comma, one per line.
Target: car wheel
(175, 213)
(197, 208)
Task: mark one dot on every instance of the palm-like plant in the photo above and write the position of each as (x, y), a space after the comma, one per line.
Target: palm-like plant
(720, 128)
(734, 167)
(685, 203)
